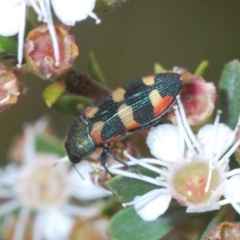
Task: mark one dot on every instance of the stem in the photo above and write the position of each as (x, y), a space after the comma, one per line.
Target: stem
(83, 85)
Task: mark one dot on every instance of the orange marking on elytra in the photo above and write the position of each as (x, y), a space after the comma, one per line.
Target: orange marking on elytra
(148, 80)
(113, 139)
(96, 132)
(155, 98)
(125, 113)
(162, 105)
(159, 103)
(118, 95)
(90, 112)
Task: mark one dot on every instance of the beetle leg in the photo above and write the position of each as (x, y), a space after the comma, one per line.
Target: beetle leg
(106, 153)
(103, 159)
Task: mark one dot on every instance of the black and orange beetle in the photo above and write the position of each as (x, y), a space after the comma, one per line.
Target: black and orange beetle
(139, 104)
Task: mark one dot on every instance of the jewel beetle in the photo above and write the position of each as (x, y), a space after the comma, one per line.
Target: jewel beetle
(139, 104)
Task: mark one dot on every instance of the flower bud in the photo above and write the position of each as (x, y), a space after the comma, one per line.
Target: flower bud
(197, 96)
(10, 87)
(39, 52)
(225, 230)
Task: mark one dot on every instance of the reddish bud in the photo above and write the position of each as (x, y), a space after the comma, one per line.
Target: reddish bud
(39, 52)
(10, 87)
(225, 231)
(197, 96)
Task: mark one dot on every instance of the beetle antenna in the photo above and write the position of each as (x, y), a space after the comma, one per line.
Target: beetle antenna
(78, 171)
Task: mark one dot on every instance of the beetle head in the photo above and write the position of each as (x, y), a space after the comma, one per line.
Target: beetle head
(79, 143)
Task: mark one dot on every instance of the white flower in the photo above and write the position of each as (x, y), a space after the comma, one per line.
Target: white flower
(13, 20)
(13, 17)
(72, 11)
(85, 189)
(192, 169)
(37, 186)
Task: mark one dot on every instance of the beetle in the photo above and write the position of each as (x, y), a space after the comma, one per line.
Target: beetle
(138, 105)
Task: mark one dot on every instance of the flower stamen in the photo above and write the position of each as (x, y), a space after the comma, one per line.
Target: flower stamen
(230, 151)
(43, 10)
(150, 195)
(187, 127)
(229, 142)
(228, 200)
(94, 16)
(146, 160)
(181, 131)
(210, 168)
(52, 32)
(231, 200)
(137, 176)
(233, 172)
(36, 9)
(5, 99)
(145, 165)
(21, 34)
(215, 125)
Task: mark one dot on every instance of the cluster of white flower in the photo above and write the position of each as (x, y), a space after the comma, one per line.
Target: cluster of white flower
(13, 15)
(36, 186)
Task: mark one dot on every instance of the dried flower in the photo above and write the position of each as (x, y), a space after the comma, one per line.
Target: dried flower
(39, 52)
(10, 87)
(225, 230)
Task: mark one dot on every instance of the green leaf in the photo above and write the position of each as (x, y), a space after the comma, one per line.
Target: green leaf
(125, 189)
(201, 69)
(95, 70)
(46, 143)
(110, 207)
(52, 93)
(158, 68)
(8, 46)
(127, 225)
(229, 89)
(71, 104)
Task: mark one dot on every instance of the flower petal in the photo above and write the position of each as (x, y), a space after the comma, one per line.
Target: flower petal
(152, 204)
(85, 189)
(10, 15)
(205, 208)
(54, 225)
(71, 11)
(164, 142)
(212, 141)
(232, 186)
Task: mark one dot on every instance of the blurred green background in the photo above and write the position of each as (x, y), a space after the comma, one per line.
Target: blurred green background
(127, 44)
